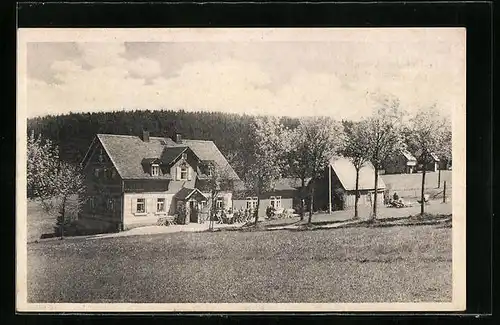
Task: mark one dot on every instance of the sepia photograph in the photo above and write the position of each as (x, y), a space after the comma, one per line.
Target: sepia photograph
(241, 169)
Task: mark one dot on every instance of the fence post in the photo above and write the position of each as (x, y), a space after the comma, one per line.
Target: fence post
(444, 192)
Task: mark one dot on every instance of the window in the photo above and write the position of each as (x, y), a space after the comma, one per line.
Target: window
(141, 206)
(92, 203)
(184, 172)
(155, 170)
(219, 203)
(251, 202)
(209, 170)
(160, 205)
(113, 173)
(184, 156)
(97, 172)
(275, 202)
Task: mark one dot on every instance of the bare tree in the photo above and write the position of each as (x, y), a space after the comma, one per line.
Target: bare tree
(384, 136)
(427, 135)
(356, 148)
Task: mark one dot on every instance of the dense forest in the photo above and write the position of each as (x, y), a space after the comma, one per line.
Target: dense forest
(232, 133)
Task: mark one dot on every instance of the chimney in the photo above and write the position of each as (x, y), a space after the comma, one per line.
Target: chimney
(145, 136)
(178, 138)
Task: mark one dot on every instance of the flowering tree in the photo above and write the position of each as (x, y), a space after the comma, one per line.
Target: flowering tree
(428, 133)
(356, 148)
(269, 158)
(42, 159)
(384, 136)
(315, 141)
(58, 185)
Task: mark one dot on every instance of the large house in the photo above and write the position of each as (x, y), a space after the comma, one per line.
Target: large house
(402, 163)
(340, 176)
(134, 180)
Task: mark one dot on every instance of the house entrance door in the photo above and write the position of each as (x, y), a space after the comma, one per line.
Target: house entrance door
(193, 211)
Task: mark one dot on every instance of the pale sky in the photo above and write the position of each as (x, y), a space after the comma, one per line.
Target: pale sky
(338, 75)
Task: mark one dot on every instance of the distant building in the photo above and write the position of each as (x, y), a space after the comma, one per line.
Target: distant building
(432, 164)
(343, 184)
(402, 163)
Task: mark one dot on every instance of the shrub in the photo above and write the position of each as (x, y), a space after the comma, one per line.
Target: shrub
(180, 213)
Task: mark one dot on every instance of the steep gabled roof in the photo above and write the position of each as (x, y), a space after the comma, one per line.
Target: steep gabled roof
(186, 192)
(170, 154)
(127, 153)
(207, 151)
(346, 173)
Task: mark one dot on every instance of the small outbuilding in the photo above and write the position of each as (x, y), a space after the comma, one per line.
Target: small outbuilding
(338, 186)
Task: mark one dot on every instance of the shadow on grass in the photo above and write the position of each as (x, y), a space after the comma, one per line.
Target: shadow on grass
(442, 220)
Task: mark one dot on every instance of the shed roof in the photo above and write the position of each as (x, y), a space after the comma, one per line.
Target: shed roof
(346, 173)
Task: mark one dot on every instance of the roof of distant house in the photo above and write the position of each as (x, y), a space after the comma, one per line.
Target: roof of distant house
(434, 156)
(408, 155)
(346, 173)
(128, 153)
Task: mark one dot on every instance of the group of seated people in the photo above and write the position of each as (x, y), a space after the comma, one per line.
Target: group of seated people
(396, 201)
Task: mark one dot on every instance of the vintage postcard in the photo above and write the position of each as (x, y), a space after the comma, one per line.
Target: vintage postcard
(285, 169)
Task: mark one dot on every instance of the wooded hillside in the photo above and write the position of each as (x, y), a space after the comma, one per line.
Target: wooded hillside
(232, 133)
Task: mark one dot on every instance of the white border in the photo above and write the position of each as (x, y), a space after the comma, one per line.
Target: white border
(233, 35)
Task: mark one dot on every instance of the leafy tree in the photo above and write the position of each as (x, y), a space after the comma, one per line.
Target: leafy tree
(219, 181)
(315, 142)
(356, 148)
(297, 157)
(384, 136)
(269, 159)
(428, 134)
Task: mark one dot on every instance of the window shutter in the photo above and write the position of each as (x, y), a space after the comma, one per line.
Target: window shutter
(189, 173)
(177, 173)
(133, 201)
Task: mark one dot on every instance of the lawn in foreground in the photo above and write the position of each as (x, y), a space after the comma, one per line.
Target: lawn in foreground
(397, 264)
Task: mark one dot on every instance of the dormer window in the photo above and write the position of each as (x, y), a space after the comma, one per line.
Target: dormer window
(184, 172)
(184, 156)
(155, 170)
(209, 170)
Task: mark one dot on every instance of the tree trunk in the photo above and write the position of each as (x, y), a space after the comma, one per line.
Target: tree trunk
(356, 193)
(63, 217)
(375, 194)
(302, 207)
(422, 204)
(311, 204)
(257, 211)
